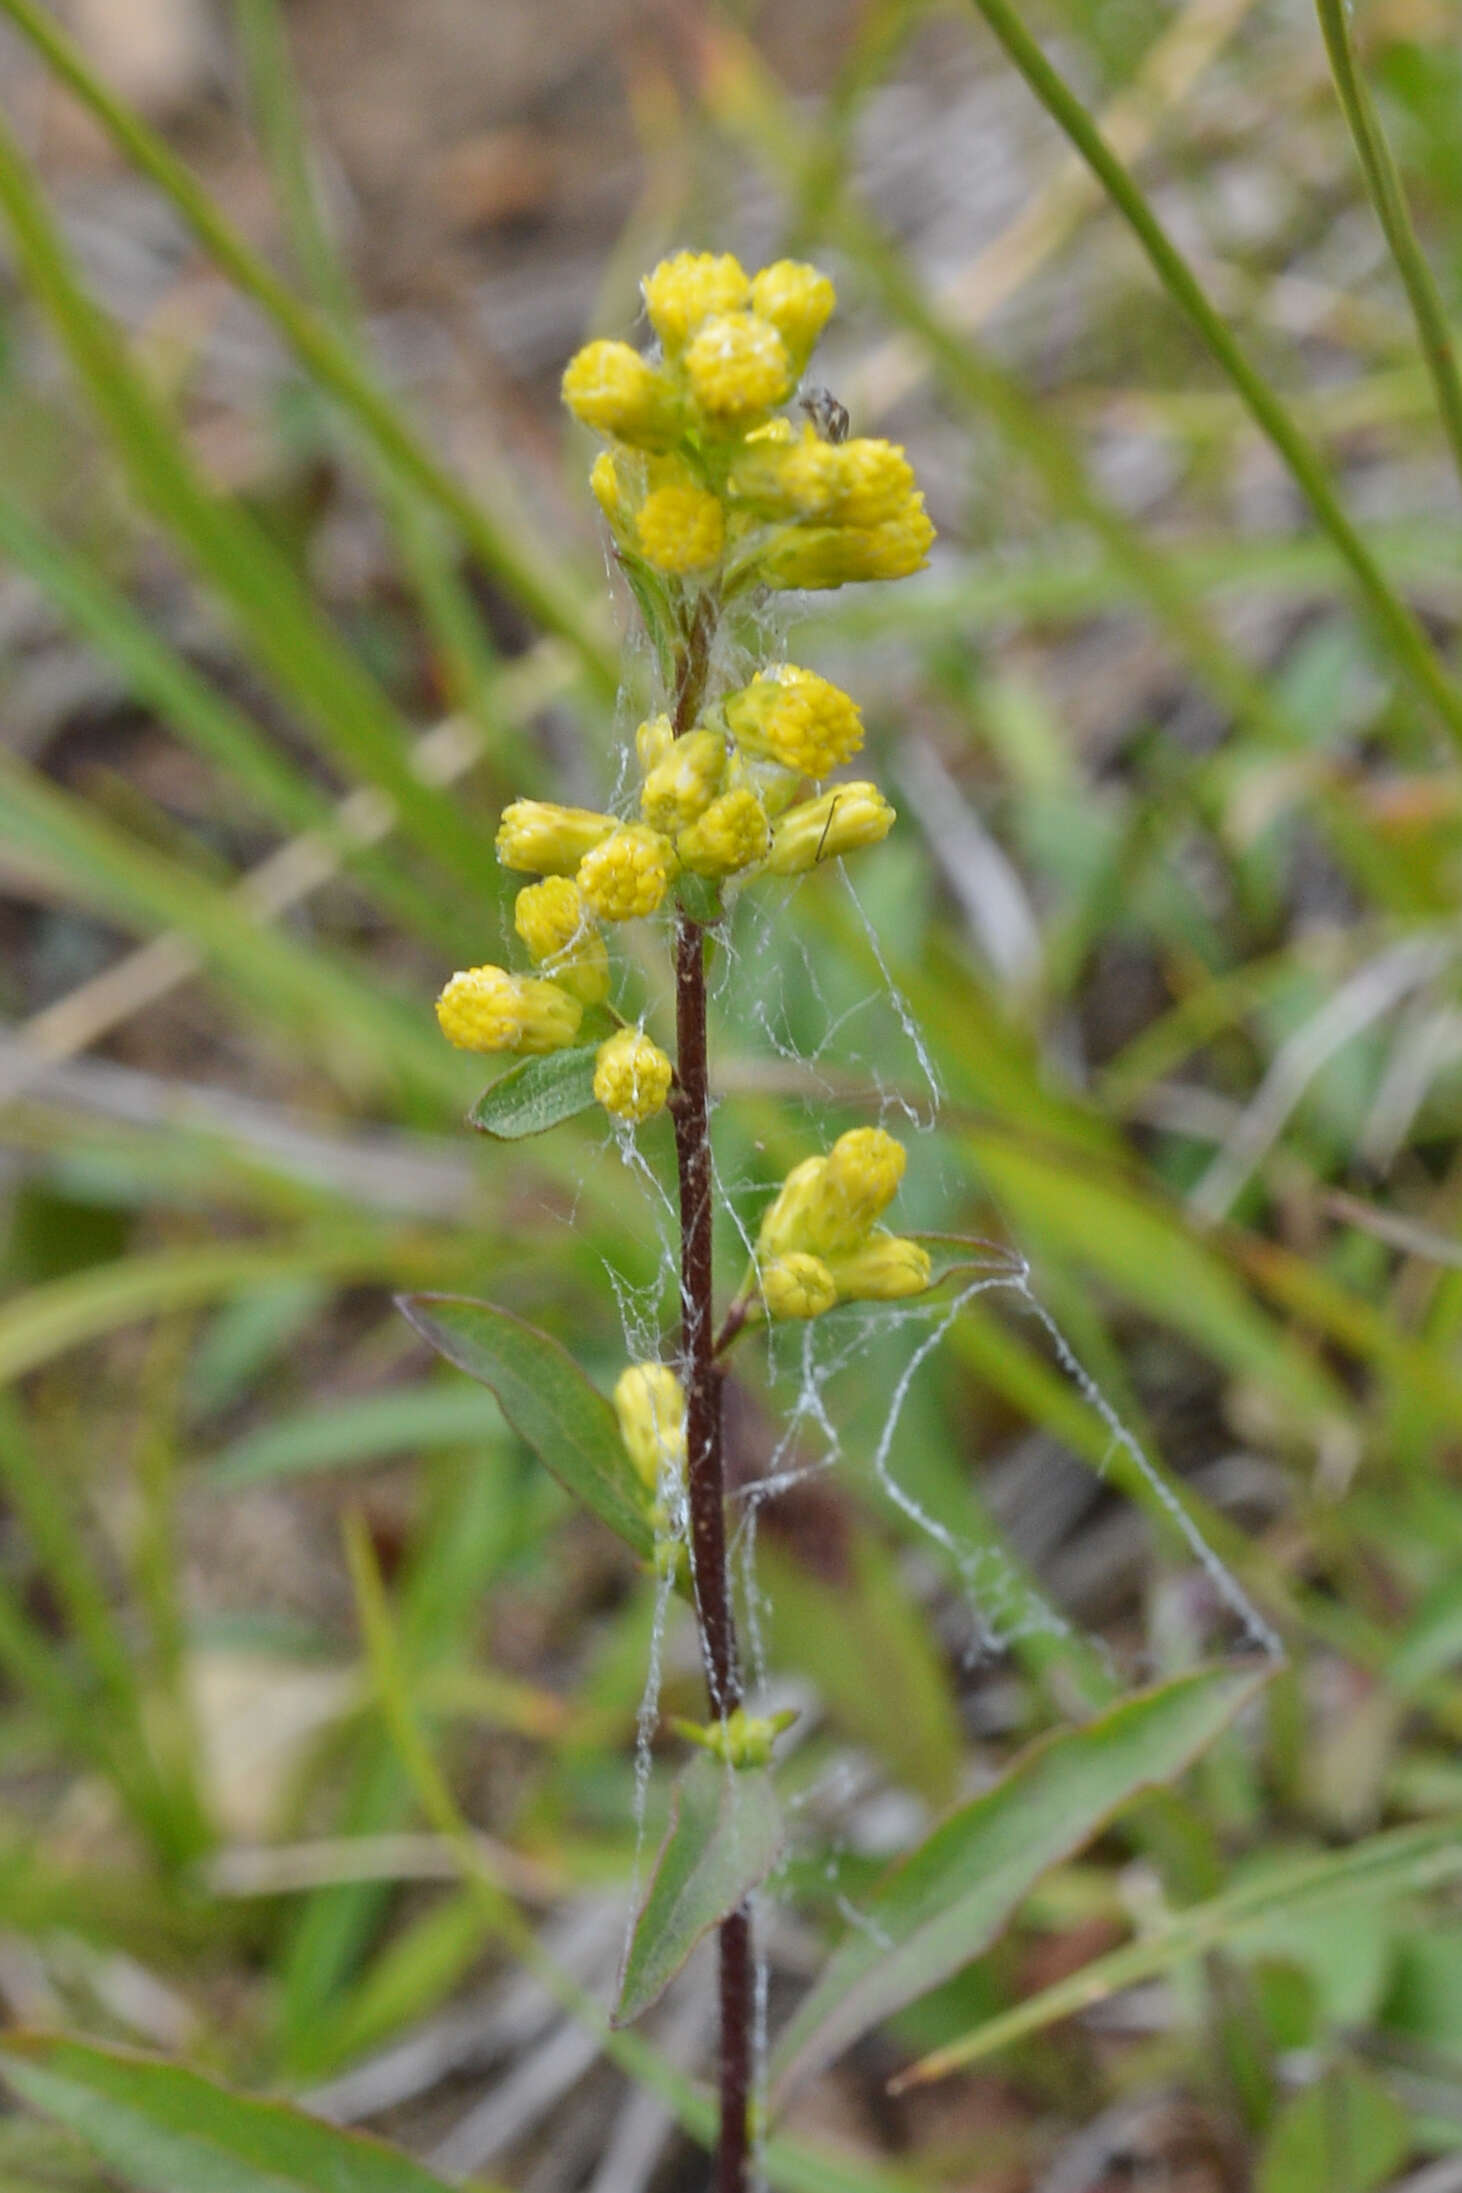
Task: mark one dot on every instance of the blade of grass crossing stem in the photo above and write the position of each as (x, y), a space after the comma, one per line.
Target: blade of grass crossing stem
(209, 722)
(1389, 199)
(355, 1029)
(790, 2166)
(347, 709)
(1408, 643)
(461, 644)
(499, 544)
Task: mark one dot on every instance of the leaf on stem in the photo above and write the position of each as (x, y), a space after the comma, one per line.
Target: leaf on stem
(725, 1836)
(547, 1400)
(944, 1903)
(536, 1094)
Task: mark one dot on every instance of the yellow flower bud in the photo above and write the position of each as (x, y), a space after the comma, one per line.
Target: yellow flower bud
(682, 784)
(631, 1075)
(859, 483)
(884, 1269)
(857, 1184)
(681, 529)
(826, 1205)
(685, 289)
(613, 389)
(487, 1009)
(628, 873)
(653, 742)
(650, 1404)
(554, 923)
(541, 838)
(841, 555)
(737, 366)
(840, 820)
(796, 718)
(732, 834)
(611, 489)
(796, 1285)
(798, 301)
(784, 1221)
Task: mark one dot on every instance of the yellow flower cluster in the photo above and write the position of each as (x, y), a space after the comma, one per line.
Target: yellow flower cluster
(705, 480)
(820, 1242)
(710, 491)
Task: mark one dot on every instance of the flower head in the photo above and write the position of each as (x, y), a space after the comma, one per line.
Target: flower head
(682, 529)
(559, 932)
(683, 783)
(796, 1285)
(856, 1186)
(798, 301)
(796, 718)
(627, 873)
(687, 288)
(732, 834)
(487, 1009)
(737, 367)
(631, 1075)
(839, 555)
(841, 820)
(884, 1268)
(540, 838)
(613, 389)
(859, 483)
(649, 1402)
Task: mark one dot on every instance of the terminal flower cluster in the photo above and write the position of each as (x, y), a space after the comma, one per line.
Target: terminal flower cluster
(710, 493)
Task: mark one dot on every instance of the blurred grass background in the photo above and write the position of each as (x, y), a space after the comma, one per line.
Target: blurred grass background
(300, 583)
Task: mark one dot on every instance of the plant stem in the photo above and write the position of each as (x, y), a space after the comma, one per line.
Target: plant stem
(690, 1109)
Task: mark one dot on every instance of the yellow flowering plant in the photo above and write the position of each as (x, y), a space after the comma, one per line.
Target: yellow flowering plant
(715, 498)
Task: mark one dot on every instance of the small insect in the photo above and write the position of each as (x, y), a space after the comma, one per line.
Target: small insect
(826, 413)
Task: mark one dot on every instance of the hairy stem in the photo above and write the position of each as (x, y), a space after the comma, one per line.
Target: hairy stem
(690, 1109)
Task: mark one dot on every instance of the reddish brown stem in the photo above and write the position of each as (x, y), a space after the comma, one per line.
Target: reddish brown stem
(690, 1110)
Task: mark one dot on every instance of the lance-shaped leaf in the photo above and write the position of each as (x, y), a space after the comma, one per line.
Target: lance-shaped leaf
(536, 1094)
(548, 1401)
(162, 2128)
(946, 1902)
(724, 1837)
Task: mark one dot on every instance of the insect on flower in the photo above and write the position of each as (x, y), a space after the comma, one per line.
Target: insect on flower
(826, 413)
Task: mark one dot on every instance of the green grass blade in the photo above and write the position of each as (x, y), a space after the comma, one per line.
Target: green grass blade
(1408, 643)
(345, 706)
(210, 723)
(351, 1023)
(499, 545)
(1389, 199)
(1385, 1866)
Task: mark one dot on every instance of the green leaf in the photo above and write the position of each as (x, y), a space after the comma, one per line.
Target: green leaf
(945, 1903)
(1345, 2131)
(724, 1837)
(536, 1094)
(164, 2128)
(547, 1400)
